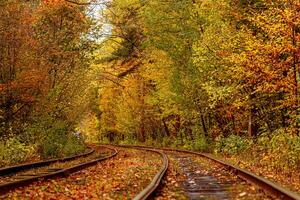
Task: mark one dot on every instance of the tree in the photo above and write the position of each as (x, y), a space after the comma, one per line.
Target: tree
(21, 79)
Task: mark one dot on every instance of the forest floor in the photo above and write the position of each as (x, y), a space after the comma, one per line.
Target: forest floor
(288, 178)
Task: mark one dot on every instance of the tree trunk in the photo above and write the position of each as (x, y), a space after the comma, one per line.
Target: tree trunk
(166, 128)
(252, 126)
(176, 126)
(204, 126)
(295, 73)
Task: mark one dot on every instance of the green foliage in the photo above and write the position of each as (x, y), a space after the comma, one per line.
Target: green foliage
(232, 145)
(281, 149)
(13, 151)
(201, 143)
(126, 142)
(278, 150)
(166, 142)
(54, 138)
(54, 141)
(74, 145)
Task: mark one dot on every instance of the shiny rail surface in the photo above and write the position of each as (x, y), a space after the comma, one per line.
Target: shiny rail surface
(6, 187)
(148, 191)
(265, 184)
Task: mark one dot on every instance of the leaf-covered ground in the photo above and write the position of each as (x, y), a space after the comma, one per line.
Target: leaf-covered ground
(178, 177)
(121, 177)
(289, 179)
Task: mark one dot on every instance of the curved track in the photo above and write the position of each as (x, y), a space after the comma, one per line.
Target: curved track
(17, 168)
(265, 184)
(51, 173)
(151, 188)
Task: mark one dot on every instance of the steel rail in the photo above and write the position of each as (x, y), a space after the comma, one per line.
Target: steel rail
(5, 187)
(265, 184)
(273, 188)
(151, 188)
(16, 168)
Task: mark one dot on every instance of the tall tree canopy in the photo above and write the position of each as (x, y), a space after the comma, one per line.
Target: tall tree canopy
(191, 68)
(44, 61)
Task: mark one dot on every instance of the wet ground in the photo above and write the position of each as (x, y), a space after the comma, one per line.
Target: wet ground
(195, 178)
(198, 184)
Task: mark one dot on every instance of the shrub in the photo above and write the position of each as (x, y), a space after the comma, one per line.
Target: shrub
(232, 145)
(177, 142)
(186, 144)
(54, 140)
(282, 149)
(150, 142)
(74, 145)
(201, 143)
(13, 151)
(60, 144)
(166, 142)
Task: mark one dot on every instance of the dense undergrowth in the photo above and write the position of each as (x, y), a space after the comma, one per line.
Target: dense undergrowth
(279, 150)
(14, 151)
(40, 142)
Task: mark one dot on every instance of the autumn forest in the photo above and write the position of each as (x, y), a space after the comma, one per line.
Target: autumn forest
(213, 76)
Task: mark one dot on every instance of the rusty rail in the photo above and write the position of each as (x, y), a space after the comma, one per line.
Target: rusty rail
(16, 168)
(5, 187)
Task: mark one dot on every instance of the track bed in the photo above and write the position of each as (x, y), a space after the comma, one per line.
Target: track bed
(141, 173)
(122, 177)
(196, 178)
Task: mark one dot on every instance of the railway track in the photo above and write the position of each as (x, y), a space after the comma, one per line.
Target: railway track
(16, 168)
(21, 175)
(148, 191)
(274, 189)
(208, 184)
(25, 175)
